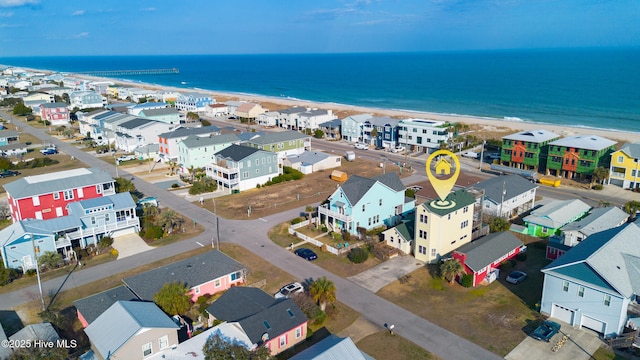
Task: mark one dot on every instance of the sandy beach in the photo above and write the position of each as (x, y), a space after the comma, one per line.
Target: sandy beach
(485, 128)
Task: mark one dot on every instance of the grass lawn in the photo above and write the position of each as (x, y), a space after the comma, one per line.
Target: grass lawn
(311, 189)
(383, 345)
(606, 354)
(509, 310)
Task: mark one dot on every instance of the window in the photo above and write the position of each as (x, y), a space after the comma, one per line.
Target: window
(298, 333)
(620, 159)
(391, 239)
(36, 200)
(362, 207)
(245, 174)
(369, 221)
(422, 250)
(146, 349)
(196, 290)
(68, 194)
(236, 275)
(283, 340)
(581, 291)
(56, 195)
(424, 218)
(98, 190)
(607, 300)
(106, 217)
(163, 342)
(93, 220)
(216, 283)
(380, 202)
(433, 252)
(464, 224)
(565, 286)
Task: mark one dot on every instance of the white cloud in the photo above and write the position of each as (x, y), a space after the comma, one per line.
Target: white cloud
(80, 35)
(149, 9)
(17, 3)
(78, 13)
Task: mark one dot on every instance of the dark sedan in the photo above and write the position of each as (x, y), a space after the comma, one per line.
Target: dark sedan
(306, 254)
(9, 173)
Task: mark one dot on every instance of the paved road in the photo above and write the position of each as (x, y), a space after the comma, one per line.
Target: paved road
(253, 236)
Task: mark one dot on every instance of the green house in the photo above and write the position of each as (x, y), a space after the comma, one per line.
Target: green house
(526, 150)
(284, 143)
(576, 156)
(548, 219)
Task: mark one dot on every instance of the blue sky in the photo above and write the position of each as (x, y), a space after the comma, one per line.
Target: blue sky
(39, 27)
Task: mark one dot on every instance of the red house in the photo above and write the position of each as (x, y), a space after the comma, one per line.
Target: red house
(482, 257)
(56, 113)
(46, 196)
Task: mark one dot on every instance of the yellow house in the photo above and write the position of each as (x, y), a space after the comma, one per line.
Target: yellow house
(624, 170)
(440, 230)
(112, 91)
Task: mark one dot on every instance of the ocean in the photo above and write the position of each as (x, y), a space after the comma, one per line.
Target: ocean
(596, 88)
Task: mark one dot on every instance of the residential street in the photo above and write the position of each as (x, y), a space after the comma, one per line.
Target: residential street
(253, 236)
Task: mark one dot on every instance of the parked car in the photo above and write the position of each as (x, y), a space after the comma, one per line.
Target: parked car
(289, 290)
(516, 277)
(398, 149)
(470, 154)
(125, 158)
(306, 254)
(9, 173)
(362, 146)
(546, 331)
(493, 156)
(49, 151)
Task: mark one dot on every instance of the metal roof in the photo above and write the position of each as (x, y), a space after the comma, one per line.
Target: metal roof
(274, 137)
(122, 321)
(160, 112)
(293, 110)
(557, 213)
(535, 136)
(632, 150)
(184, 132)
(58, 181)
(308, 157)
(588, 142)
(484, 251)
(54, 105)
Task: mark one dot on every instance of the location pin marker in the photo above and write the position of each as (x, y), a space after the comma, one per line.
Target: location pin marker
(443, 166)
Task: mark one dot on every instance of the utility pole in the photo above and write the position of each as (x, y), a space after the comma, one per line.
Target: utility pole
(504, 192)
(482, 153)
(35, 256)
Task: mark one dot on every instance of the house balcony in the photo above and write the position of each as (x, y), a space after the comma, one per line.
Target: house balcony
(80, 233)
(324, 210)
(63, 242)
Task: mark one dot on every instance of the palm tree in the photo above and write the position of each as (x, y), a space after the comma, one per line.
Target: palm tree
(323, 291)
(50, 259)
(450, 269)
(170, 220)
(172, 167)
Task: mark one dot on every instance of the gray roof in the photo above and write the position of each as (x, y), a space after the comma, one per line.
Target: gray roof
(184, 132)
(482, 252)
(383, 120)
(514, 186)
(588, 142)
(535, 136)
(93, 306)
(122, 321)
(275, 137)
(246, 135)
(194, 141)
(632, 150)
(42, 331)
(357, 186)
(58, 181)
(192, 272)
(308, 157)
(332, 348)
(240, 302)
(391, 180)
(119, 201)
(335, 123)
(160, 112)
(609, 260)
(599, 219)
(359, 118)
(54, 105)
(293, 110)
(237, 152)
(317, 112)
(557, 213)
(136, 122)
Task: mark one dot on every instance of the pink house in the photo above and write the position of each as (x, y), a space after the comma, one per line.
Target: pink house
(56, 113)
(277, 324)
(208, 273)
(483, 256)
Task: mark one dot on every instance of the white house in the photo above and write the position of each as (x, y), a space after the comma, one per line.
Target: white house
(86, 99)
(507, 196)
(420, 135)
(313, 118)
(311, 161)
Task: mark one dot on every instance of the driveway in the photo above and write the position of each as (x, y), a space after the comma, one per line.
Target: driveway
(384, 274)
(130, 244)
(580, 345)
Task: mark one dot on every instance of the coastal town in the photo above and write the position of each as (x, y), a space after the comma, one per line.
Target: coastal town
(143, 222)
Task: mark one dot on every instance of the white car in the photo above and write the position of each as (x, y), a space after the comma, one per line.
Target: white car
(125, 158)
(470, 154)
(361, 146)
(289, 290)
(398, 149)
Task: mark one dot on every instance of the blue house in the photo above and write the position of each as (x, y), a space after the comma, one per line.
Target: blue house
(596, 284)
(381, 131)
(193, 102)
(88, 221)
(366, 203)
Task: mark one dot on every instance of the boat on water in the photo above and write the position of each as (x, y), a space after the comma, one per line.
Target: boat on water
(183, 82)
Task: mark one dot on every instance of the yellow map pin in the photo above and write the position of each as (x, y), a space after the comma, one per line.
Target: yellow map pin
(443, 167)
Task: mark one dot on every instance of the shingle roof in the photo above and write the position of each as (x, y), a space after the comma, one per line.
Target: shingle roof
(193, 271)
(274, 137)
(42, 331)
(57, 181)
(609, 259)
(535, 136)
(632, 150)
(194, 141)
(280, 317)
(461, 198)
(237, 152)
(293, 110)
(183, 132)
(391, 180)
(557, 213)
(54, 105)
(93, 306)
(335, 123)
(317, 112)
(355, 188)
(514, 186)
(482, 252)
(599, 219)
(160, 112)
(122, 321)
(384, 120)
(588, 142)
(240, 302)
(332, 348)
(136, 122)
(406, 230)
(359, 118)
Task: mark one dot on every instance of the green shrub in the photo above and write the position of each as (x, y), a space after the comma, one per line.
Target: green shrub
(324, 228)
(175, 186)
(297, 220)
(320, 318)
(358, 255)
(31, 273)
(597, 187)
(288, 174)
(105, 242)
(467, 280)
(153, 232)
(8, 275)
(35, 163)
(81, 253)
(203, 186)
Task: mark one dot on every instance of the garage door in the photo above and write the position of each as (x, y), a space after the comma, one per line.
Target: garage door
(562, 313)
(593, 324)
(127, 231)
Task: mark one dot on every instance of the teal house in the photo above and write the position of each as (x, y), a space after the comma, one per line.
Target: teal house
(198, 151)
(548, 219)
(283, 143)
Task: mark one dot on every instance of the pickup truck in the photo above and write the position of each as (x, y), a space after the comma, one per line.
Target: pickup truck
(546, 331)
(470, 154)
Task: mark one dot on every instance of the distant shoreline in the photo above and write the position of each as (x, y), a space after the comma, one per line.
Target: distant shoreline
(487, 123)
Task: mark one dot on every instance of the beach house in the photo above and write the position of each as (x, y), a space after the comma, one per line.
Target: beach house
(527, 150)
(549, 218)
(424, 136)
(381, 132)
(311, 120)
(33, 101)
(578, 156)
(288, 118)
(351, 128)
(507, 196)
(57, 113)
(167, 115)
(249, 111)
(238, 168)
(199, 151)
(138, 132)
(169, 141)
(193, 102)
(284, 143)
(86, 99)
(624, 170)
